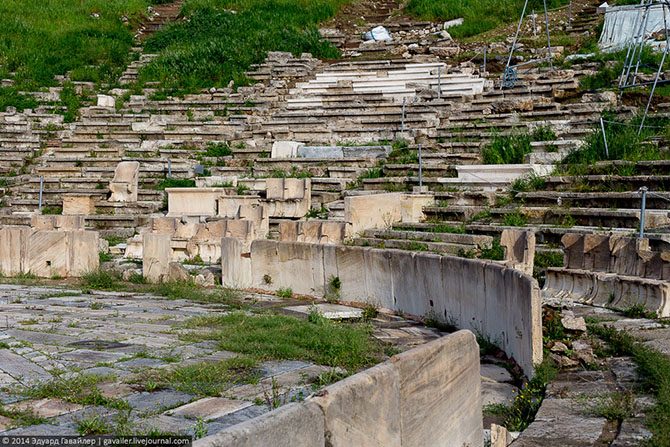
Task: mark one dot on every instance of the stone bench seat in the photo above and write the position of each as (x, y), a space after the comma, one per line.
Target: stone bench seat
(595, 217)
(428, 169)
(474, 240)
(404, 244)
(608, 289)
(661, 200)
(606, 182)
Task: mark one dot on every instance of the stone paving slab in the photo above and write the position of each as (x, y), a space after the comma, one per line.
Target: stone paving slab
(105, 371)
(494, 373)
(69, 429)
(88, 356)
(498, 393)
(158, 401)
(45, 408)
(330, 311)
(560, 422)
(21, 369)
(209, 408)
(140, 363)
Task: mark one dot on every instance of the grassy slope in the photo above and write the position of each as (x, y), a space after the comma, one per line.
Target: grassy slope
(479, 15)
(41, 39)
(224, 37)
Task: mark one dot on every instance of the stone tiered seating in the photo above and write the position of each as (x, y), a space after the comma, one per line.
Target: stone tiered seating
(613, 271)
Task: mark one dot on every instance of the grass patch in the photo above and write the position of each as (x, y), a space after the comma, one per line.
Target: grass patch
(187, 290)
(495, 253)
(21, 418)
(82, 390)
(479, 16)
(202, 379)
(100, 280)
(218, 150)
(544, 260)
(285, 292)
(175, 183)
(515, 219)
(39, 40)
(52, 210)
(639, 311)
(222, 39)
(282, 337)
(508, 149)
(623, 142)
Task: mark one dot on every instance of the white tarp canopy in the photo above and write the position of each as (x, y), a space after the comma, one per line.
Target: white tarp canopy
(622, 23)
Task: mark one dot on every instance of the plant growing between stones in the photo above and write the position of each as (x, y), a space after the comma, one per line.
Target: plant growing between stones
(200, 429)
(285, 292)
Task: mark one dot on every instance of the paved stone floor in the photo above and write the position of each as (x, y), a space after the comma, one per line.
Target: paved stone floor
(48, 332)
(569, 414)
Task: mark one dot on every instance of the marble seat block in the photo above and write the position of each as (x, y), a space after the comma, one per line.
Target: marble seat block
(124, 185)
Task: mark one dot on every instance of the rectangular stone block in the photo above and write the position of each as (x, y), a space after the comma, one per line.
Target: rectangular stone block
(193, 201)
(363, 409)
(14, 249)
(48, 253)
(235, 264)
(288, 230)
(371, 211)
(285, 149)
(573, 247)
(412, 207)
(274, 188)
(440, 403)
(157, 254)
(232, 206)
(293, 425)
(84, 254)
(78, 204)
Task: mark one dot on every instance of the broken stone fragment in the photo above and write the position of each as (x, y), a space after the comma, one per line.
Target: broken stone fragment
(500, 437)
(572, 323)
(558, 347)
(583, 351)
(563, 362)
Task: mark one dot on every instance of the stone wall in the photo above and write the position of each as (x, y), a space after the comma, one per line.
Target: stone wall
(499, 303)
(427, 396)
(47, 253)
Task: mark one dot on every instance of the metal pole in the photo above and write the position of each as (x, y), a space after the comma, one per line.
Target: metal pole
(658, 74)
(39, 204)
(486, 49)
(169, 167)
(546, 24)
(643, 209)
(420, 169)
(402, 120)
(516, 36)
(439, 82)
(602, 128)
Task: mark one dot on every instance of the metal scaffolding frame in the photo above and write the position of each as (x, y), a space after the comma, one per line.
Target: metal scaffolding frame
(510, 75)
(633, 61)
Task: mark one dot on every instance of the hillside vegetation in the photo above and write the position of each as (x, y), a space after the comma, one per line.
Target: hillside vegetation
(222, 38)
(40, 39)
(479, 15)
